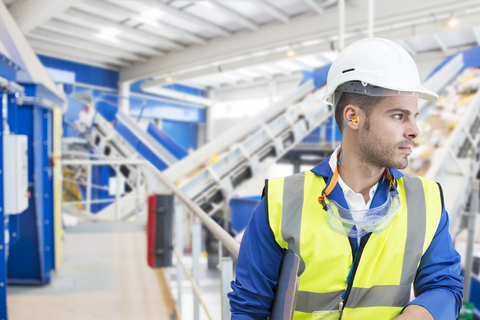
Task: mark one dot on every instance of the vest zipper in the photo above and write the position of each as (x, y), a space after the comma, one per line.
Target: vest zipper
(356, 257)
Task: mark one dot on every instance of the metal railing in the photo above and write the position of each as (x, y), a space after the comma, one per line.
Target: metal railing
(136, 195)
(225, 264)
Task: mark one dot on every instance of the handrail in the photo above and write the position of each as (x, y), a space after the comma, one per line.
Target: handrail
(103, 162)
(196, 290)
(10, 85)
(228, 241)
(441, 153)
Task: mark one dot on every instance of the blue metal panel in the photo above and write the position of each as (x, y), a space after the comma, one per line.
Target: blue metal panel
(84, 73)
(74, 108)
(13, 228)
(185, 134)
(8, 68)
(471, 59)
(136, 87)
(106, 109)
(24, 264)
(32, 256)
(242, 209)
(328, 131)
(39, 91)
(3, 248)
(318, 75)
(38, 169)
(146, 153)
(100, 176)
(47, 179)
(313, 137)
(186, 89)
(168, 110)
(475, 294)
(160, 136)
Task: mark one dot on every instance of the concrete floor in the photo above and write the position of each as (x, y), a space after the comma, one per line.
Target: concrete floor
(104, 276)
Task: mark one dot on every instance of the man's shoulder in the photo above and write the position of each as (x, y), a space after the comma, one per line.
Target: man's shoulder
(410, 177)
(295, 176)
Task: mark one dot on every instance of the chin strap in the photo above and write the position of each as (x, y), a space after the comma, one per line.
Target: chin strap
(333, 182)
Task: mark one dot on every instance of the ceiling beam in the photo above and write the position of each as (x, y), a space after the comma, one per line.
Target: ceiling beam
(126, 32)
(303, 29)
(217, 5)
(271, 10)
(53, 54)
(186, 16)
(41, 47)
(403, 43)
(476, 33)
(67, 41)
(68, 29)
(29, 14)
(315, 6)
(440, 42)
(297, 75)
(302, 65)
(275, 69)
(121, 11)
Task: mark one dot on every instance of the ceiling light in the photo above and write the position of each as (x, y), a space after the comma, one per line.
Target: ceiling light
(169, 79)
(452, 22)
(110, 32)
(152, 14)
(291, 53)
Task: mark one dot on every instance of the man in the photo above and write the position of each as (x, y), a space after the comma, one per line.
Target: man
(364, 231)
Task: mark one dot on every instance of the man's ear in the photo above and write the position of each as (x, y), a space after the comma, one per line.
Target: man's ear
(350, 115)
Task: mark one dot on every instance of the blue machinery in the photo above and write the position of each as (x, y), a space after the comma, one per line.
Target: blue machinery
(28, 244)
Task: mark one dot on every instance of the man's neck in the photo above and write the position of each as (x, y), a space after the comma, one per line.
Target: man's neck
(359, 176)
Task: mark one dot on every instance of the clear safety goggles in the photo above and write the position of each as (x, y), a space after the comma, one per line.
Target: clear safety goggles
(357, 223)
(364, 88)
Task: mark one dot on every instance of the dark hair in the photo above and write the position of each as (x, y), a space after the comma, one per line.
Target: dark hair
(364, 102)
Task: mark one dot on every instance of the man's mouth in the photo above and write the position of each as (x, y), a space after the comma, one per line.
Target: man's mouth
(406, 149)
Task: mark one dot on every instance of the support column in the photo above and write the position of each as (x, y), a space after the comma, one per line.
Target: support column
(124, 92)
(179, 247)
(196, 248)
(371, 4)
(4, 221)
(209, 117)
(272, 92)
(341, 19)
(226, 270)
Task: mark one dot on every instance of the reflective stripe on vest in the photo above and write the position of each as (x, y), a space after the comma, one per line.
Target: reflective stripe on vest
(414, 232)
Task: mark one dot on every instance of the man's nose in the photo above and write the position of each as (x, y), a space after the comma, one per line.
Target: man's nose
(412, 130)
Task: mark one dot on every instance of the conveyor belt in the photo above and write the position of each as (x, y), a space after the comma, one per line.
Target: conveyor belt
(245, 157)
(445, 155)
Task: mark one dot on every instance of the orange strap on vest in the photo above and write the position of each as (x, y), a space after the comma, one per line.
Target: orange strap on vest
(333, 182)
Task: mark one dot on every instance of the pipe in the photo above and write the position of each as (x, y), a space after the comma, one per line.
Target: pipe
(196, 159)
(195, 288)
(228, 241)
(103, 162)
(341, 29)
(371, 4)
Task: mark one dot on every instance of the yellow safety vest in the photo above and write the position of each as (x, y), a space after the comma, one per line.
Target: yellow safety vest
(386, 270)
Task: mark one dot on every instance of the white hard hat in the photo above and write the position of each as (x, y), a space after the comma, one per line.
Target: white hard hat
(376, 62)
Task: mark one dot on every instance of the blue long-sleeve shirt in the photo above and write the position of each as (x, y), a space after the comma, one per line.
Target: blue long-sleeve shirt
(438, 285)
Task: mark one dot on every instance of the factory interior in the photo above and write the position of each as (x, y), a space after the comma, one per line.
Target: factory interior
(137, 137)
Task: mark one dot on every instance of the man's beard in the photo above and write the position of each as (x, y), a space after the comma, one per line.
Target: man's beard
(381, 154)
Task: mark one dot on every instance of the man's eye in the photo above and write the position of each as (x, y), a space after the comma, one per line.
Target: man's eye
(398, 116)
